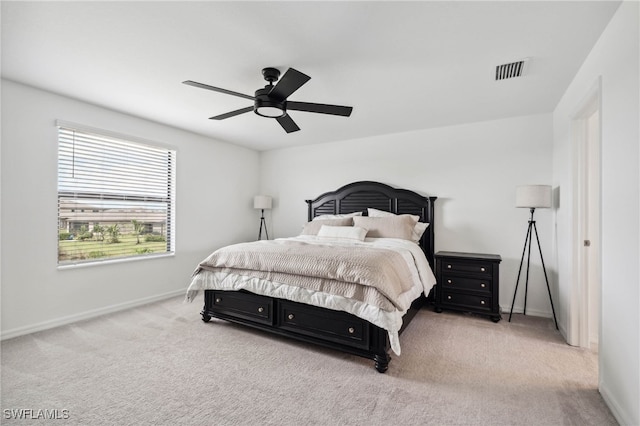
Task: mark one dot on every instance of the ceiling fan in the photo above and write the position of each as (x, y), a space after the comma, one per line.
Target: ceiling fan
(271, 101)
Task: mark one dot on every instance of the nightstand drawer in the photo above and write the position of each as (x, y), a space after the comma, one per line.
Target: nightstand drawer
(451, 281)
(467, 300)
(476, 268)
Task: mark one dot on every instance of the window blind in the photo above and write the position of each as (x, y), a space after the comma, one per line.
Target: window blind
(115, 197)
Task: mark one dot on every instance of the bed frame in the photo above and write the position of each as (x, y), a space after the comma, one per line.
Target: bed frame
(326, 327)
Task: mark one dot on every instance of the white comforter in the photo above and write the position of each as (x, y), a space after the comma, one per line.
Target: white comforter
(422, 277)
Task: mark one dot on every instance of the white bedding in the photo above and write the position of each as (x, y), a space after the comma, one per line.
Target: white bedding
(423, 280)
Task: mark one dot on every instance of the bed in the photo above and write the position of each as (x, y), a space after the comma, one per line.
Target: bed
(241, 286)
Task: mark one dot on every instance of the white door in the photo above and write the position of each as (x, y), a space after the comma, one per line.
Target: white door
(585, 304)
(592, 210)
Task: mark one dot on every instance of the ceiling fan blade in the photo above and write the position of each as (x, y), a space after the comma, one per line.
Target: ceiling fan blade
(344, 111)
(232, 113)
(217, 89)
(288, 124)
(291, 81)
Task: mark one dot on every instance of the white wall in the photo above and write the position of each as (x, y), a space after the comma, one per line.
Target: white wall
(213, 208)
(614, 59)
(473, 169)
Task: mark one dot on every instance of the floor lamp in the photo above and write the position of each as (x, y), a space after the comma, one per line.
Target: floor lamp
(532, 197)
(262, 202)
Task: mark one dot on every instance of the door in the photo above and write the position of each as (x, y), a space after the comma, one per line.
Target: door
(586, 282)
(591, 245)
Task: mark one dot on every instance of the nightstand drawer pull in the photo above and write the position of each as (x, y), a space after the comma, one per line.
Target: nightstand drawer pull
(261, 309)
(291, 316)
(448, 266)
(351, 330)
(482, 302)
(449, 297)
(218, 300)
(449, 282)
(483, 285)
(482, 269)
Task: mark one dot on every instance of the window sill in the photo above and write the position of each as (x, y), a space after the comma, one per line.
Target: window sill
(113, 261)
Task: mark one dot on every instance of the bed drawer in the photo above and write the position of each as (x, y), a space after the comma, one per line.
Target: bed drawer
(311, 321)
(245, 305)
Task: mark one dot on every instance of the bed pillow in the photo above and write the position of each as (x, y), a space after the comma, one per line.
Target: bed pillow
(418, 229)
(312, 228)
(387, 227)
(381, 213)
(336, 216)
(344, 233)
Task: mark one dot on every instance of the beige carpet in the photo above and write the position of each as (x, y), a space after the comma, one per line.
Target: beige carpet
(160, 364)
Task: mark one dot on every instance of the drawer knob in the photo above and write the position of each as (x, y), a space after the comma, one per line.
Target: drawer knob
(482, 269)
(291, 316)
(483, 285)
(449, 282)
(482, 302)
(449, 297)
(218, 300)
(448, 266)
(351, 330)
(261, 309)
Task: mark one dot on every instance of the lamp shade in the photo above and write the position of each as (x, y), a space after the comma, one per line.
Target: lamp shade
(262, 202)
(533, 196)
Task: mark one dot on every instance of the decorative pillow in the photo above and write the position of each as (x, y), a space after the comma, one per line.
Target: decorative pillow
(387, 227)
(337, 216)
(351, 233)
(381, 213)
(418, 229)
(312, 228)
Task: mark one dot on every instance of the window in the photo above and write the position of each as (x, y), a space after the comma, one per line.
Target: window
(115, 197)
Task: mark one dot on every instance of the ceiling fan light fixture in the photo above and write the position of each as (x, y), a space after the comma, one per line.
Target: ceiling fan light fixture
(270, 111)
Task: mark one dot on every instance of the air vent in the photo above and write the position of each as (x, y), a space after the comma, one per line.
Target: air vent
(514, 69)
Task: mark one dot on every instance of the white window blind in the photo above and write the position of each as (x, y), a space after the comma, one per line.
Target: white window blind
(115, 197)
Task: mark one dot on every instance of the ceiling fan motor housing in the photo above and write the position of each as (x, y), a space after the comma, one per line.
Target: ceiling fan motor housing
(266, 106)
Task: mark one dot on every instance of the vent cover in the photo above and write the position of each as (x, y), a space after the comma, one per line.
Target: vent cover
(514, 69)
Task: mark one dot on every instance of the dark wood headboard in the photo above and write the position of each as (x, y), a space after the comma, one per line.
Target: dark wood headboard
(358, 196)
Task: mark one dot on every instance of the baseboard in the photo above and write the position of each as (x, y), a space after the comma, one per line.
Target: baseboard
(622, 417)
(519, 309)
(45, 325)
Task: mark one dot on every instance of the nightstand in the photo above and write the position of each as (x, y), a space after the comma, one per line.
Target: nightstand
(468, 282)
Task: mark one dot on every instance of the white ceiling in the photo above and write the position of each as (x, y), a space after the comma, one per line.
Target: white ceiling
(402, 65)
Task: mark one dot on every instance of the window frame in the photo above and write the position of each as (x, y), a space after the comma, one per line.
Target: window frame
(170, 232)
